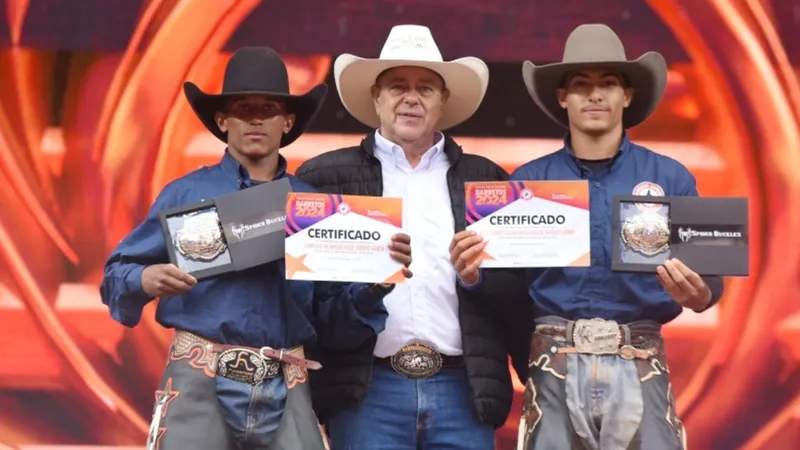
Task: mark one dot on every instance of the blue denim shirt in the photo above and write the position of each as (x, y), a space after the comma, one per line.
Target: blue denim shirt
(597, 292)
(254, 307)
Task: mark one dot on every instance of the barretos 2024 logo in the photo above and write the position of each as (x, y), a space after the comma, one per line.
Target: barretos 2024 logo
(648, 189)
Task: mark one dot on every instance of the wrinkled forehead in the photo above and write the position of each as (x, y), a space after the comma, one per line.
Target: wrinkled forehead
(409, 74)
(596, 74)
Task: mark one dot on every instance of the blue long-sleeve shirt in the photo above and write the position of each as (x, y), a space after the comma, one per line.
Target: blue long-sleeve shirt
(597, 292)
(255, 307)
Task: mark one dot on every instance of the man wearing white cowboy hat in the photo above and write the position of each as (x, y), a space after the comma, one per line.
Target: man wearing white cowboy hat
(437, 376)
(576, 399)
(254, 320)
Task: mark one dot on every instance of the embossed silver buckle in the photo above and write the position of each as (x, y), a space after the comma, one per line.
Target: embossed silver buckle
(201, 237)
(596, 336)
(246, 366)
(417, 361)
(647, 233)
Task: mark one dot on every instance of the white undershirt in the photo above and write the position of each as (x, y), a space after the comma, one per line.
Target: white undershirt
(425, 307)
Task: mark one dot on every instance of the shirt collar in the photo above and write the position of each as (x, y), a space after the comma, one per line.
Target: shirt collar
(238, 175)
(624, 146)
(387, 150)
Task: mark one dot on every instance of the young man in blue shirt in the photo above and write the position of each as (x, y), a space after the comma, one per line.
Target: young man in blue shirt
(236, 375)
(612, 401)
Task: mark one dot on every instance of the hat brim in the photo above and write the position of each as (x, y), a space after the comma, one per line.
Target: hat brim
(305, 107)
(647, 75)
(466, 79)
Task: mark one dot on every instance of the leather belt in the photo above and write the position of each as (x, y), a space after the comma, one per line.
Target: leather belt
(272, 354)
(603, 337)
(245, 364)
(420, 361)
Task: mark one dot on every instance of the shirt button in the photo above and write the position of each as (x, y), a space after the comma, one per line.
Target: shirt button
(597, 184)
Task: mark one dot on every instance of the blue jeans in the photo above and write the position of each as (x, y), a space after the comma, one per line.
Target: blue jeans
(598, 402)
(399, 413)
(253, 413)
(604, 400)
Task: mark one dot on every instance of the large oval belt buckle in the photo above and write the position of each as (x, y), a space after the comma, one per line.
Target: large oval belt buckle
(417, 361)
(246, 366)
(647, 233)
(201, 237)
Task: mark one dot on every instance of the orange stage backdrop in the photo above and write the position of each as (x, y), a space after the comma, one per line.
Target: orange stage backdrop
(70, 377)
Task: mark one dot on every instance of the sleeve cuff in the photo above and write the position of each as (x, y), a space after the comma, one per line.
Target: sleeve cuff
(717, 287)
(133, 281)
(472, 287)
(369, 298)
(369, 307)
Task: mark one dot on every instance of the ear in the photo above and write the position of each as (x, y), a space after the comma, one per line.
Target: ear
(375, 91)
(290, 121)
(445, 95)
(628, 96)
(561, 95)
(222, 121)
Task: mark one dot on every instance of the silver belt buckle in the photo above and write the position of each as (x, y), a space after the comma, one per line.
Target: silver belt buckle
(246, 366)
(596, 336)
(417, 361)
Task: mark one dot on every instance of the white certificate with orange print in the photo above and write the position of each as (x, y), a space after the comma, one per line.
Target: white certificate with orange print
(342, 238)
(531, 223)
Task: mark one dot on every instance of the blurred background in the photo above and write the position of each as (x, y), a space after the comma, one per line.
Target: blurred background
(93, 123)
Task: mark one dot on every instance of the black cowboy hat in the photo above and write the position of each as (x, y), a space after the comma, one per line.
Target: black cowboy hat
(256, 70)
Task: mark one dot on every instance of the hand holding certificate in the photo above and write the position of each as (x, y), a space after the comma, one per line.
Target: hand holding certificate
(530, 223)
(344, 238)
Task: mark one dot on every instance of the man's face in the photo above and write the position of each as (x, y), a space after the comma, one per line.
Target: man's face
(595, 100)
(409, 102)
(255, 125)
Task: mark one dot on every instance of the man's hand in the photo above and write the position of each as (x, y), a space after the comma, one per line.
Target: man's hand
(465, 255)
(165, 280)
(685, 286)
(400, 248)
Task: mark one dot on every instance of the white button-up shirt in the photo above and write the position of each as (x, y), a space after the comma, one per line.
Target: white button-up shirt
(425, 307)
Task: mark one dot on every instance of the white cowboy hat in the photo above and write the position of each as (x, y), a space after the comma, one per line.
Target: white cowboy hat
(596, 45)
(411, 45)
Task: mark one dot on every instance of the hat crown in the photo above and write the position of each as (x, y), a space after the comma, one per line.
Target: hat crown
(411, 42)
(256, 69)
(593, 42)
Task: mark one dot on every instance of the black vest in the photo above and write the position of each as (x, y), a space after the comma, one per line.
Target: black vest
(496, 320)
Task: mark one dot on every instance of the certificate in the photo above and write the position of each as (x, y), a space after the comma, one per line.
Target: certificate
(531, 223)
(342, 238)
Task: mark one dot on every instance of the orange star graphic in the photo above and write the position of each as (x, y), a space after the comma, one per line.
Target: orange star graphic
(295, 264)
(166, 396)
(482, 254)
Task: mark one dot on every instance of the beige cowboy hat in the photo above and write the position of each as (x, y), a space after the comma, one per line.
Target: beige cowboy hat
(411, 45)
(597, 45)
